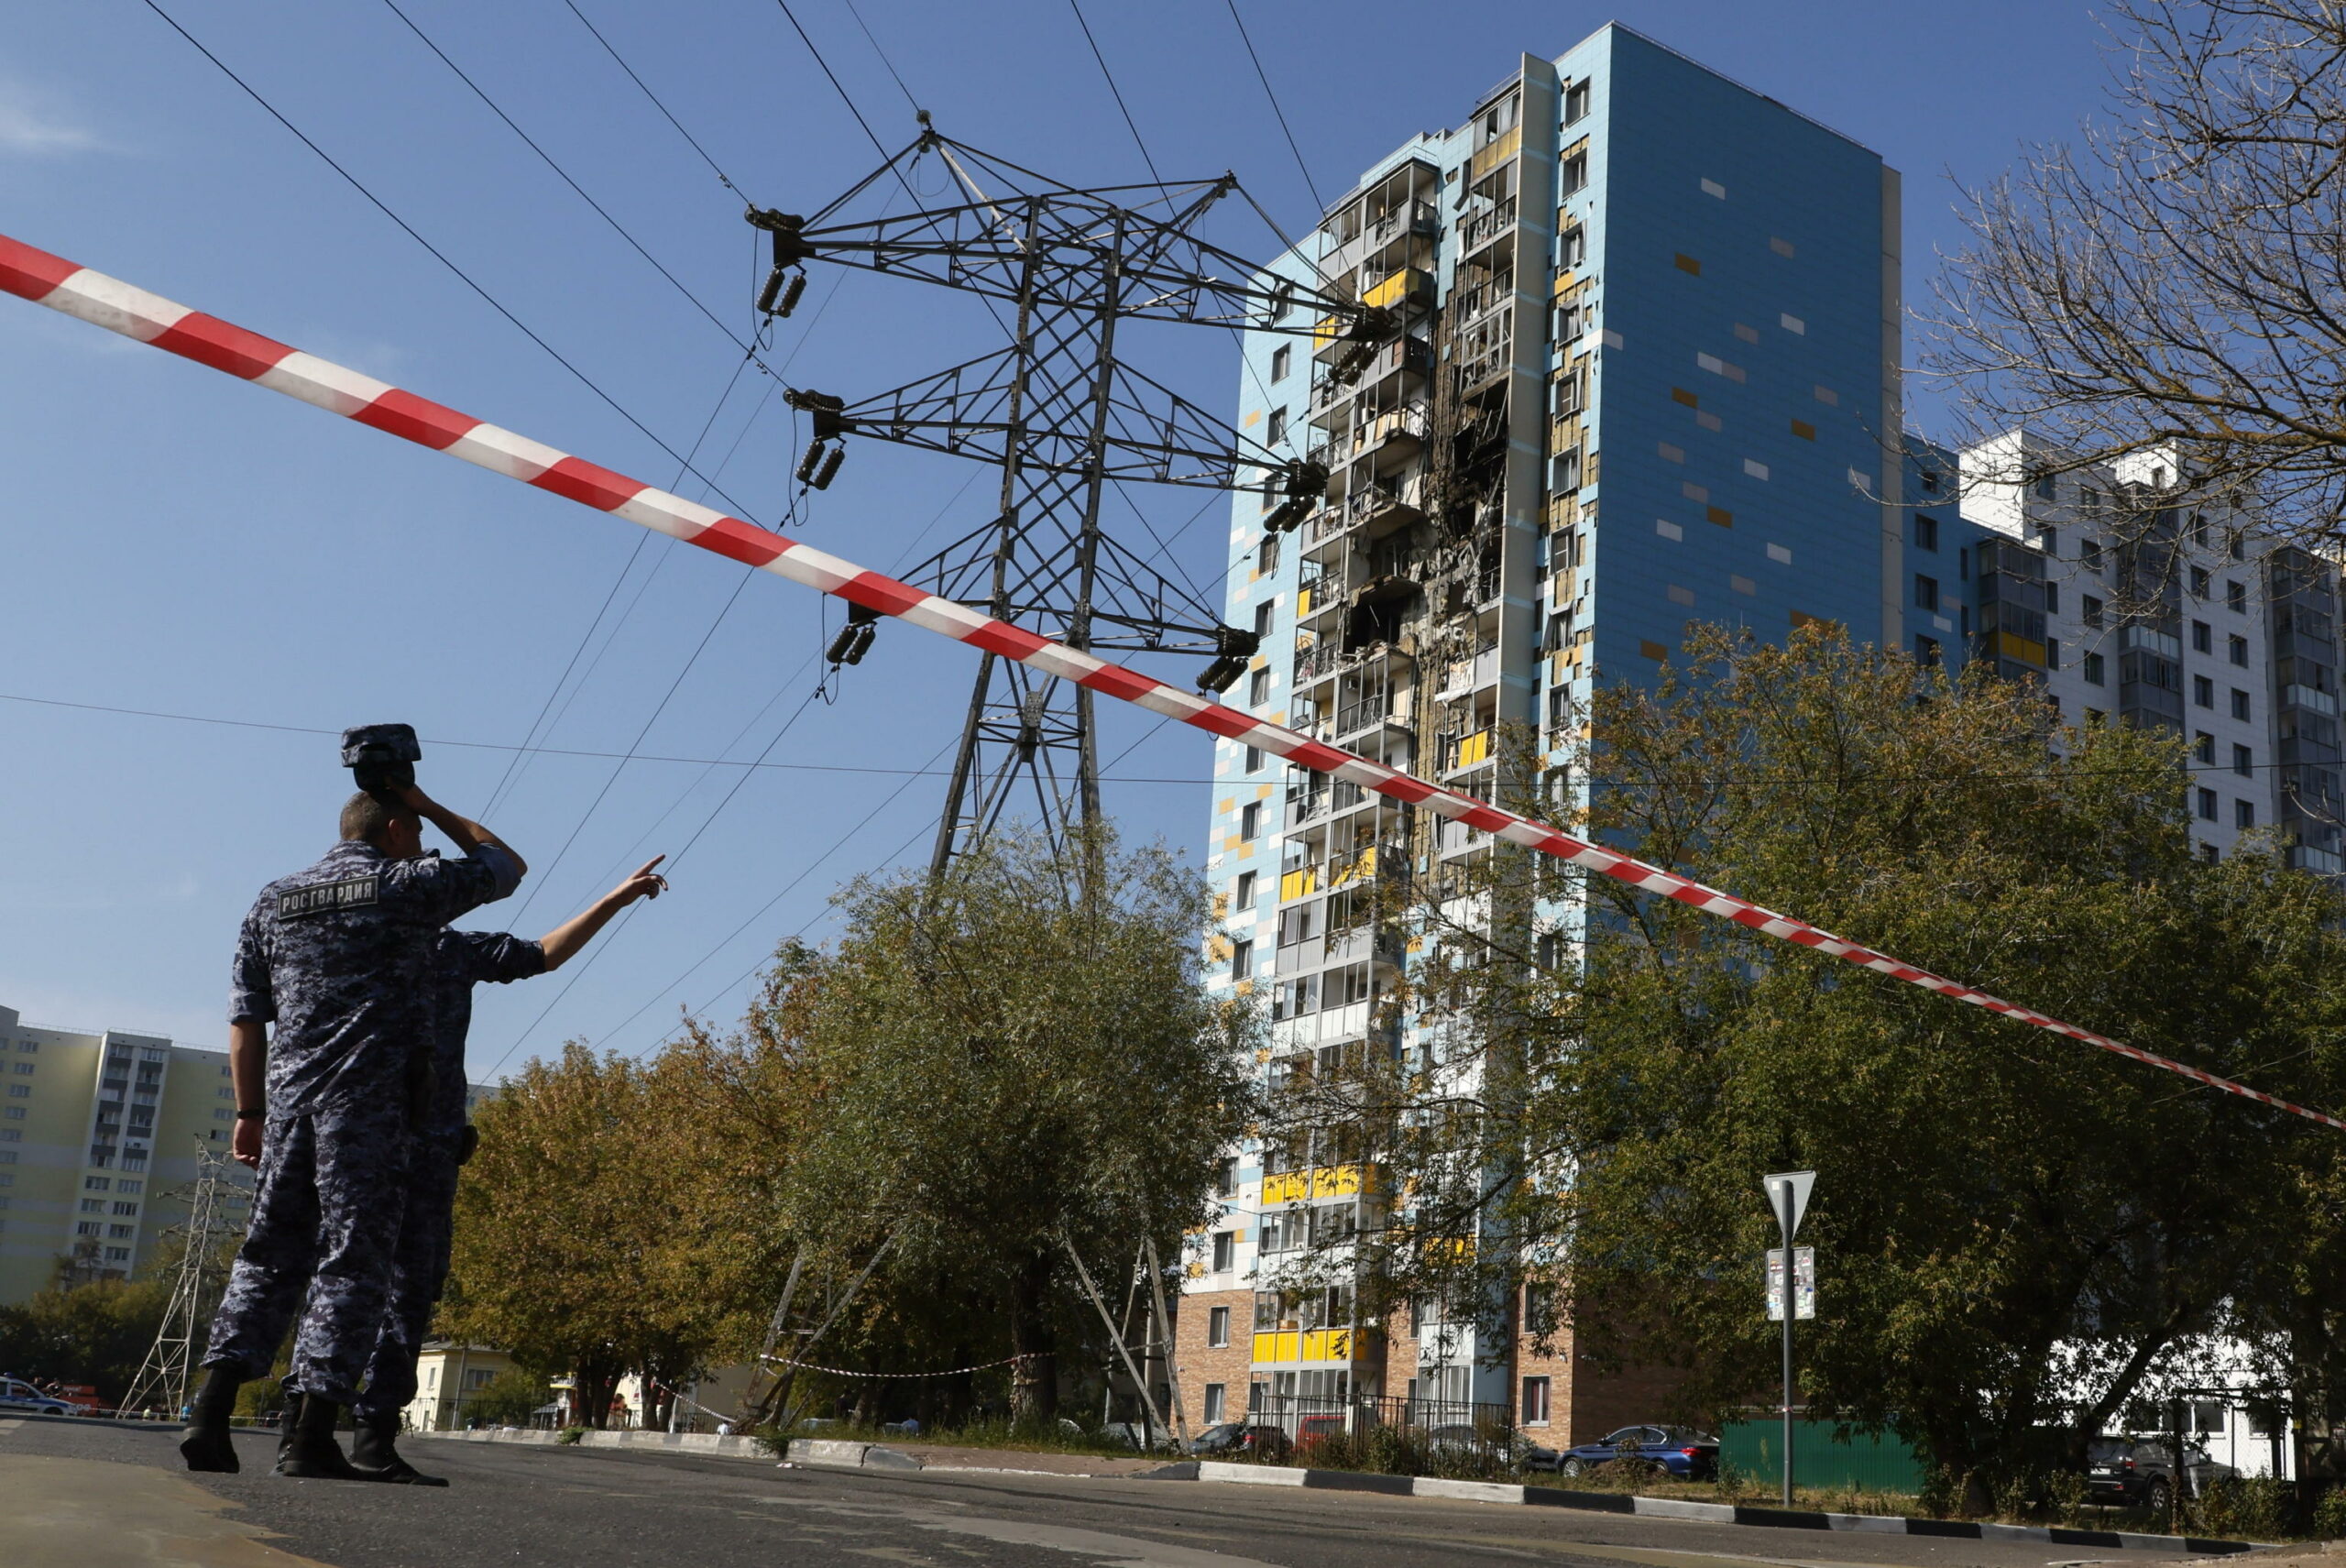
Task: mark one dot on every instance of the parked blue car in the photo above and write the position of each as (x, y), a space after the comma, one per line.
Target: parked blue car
(1683, 1453)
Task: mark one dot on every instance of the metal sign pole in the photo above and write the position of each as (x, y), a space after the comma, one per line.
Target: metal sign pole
(1787, 1200)
(1785, 1220)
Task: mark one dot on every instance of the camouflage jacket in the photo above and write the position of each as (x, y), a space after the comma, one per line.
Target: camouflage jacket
(461, 961)
(338, 958)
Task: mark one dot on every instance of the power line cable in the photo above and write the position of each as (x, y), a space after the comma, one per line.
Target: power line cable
(727, 940)
(1115, 92)
(437, 254)
(673, 862)
(1302, 168)
(883, 53)
(600, 211)
(918, 833)
(709, 820)
(512, 763)
(2189, 768)
(838, 87)
(722, 177)
(620, 766)
(517, 762)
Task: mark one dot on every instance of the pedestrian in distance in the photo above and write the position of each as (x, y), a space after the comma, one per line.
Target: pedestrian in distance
(329, 1055)
(442, 1141)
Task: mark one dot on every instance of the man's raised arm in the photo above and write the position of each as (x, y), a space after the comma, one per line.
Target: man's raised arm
(575, 932)
(462, 831)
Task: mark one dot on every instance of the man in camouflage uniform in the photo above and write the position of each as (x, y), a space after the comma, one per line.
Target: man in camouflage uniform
(461, 959)
(336, 957)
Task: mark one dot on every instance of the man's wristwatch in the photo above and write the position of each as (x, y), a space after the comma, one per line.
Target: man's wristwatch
(251, 1116)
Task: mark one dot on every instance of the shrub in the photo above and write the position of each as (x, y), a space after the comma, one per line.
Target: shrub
(1941, 1487)
(2255, 1507)
(2016, 1496)
(2329, 1515)
(2067, 1492)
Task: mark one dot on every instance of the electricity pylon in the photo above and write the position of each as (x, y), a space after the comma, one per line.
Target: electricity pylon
(172, 1358)
(1064, 416)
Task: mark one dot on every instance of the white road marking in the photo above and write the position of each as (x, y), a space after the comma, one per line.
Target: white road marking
(1112, 1551)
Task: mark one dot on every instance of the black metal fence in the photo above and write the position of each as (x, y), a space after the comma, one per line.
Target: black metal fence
(1463, 1425)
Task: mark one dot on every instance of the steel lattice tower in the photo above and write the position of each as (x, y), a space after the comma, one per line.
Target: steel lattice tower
(172, 1358)
(1065, 417)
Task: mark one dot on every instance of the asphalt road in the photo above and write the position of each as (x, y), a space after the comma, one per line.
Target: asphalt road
(94, 1497)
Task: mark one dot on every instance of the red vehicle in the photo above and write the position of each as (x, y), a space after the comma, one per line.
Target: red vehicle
(1313, 1430)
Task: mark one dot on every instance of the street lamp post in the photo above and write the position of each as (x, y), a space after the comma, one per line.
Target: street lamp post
(1788, 1199)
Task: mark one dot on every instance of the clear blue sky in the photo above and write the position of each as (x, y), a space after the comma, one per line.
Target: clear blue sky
(178, 542)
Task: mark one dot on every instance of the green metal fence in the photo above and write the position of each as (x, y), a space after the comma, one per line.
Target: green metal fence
(1820, 1459)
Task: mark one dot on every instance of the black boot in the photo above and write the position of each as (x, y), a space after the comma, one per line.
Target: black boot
(314, 1455)
(206, 1445)
(374, 1449)
(286, 1417)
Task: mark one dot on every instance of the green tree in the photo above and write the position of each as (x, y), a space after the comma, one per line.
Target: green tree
(2005, 1220)
(1017, 1058)
(98, 1333)
(570, 1223)
(509, 1398)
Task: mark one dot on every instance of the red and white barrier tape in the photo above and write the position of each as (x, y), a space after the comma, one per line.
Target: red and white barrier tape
(949, 1372)
(118, 307)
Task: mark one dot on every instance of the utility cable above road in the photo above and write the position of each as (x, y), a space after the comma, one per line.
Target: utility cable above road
(437, 254)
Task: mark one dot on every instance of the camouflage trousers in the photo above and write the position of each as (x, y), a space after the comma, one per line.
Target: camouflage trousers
(419, 1271)
(325, 1220)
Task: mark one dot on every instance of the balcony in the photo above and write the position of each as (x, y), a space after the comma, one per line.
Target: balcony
(1358, 717)
(1318, 661)
(1372, 504)
(1304, 1344)
(1488, 224)
(1396, 434)
(2321, 862)
(1410, 217)
(1321, 1181)
(1388, 863)
(1364, 942)
(1470, 674)
(1493, 155)
(2308, 698)
(1411, 285)
(1460, 752)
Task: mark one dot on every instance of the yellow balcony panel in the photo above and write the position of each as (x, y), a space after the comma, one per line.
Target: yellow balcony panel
(1326, 330)
(1284, 1345)
(1498, 152)
(1302, 603)
(1327, 1344)
(2011, 645)
(1288, 1187)
(1470, 750)
(1395, 287)
(1343, 1180)
(1299, 885)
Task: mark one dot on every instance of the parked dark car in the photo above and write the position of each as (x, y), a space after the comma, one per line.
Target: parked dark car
(1681, 1452)
(1219, 1438)
(1239, 1438)
(2139, 1472)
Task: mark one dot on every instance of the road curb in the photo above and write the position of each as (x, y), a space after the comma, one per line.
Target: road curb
(705, 1444)
(1682, 1508)
(832, 1454)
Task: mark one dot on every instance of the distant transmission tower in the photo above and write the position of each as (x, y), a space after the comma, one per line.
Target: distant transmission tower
(171, 1358)
(1064, 415)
